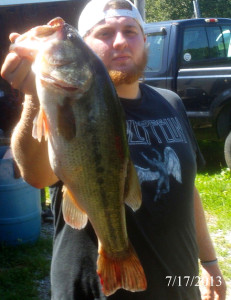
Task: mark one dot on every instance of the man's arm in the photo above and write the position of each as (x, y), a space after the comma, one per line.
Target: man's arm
(30, 155)
(212, 282)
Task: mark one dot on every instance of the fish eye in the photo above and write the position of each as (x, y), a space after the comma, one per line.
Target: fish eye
(71, 36)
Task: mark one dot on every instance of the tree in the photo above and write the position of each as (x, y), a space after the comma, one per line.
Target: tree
(160, 10)
(216, 8)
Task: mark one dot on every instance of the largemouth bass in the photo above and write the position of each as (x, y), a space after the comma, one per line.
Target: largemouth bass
(82, 118)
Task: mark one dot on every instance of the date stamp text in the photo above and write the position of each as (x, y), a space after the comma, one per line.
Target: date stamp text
(192, 281)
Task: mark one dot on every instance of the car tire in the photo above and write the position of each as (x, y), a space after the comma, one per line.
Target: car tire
(227, 150)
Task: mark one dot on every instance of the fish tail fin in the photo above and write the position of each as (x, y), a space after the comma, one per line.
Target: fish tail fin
(116, 273)
(40, 126)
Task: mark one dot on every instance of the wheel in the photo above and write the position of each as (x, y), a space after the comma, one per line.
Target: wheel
(227, 150)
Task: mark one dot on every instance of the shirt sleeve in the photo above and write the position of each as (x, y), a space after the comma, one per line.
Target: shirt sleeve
(176, 102)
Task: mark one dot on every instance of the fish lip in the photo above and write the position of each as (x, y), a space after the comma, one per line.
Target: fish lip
(49, 80)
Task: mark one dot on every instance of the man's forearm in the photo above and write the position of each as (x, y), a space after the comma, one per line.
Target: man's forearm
(205, 245)
(212, 285)
(30, 155)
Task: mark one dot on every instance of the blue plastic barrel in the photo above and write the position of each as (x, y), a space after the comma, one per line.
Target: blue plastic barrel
(20, 206)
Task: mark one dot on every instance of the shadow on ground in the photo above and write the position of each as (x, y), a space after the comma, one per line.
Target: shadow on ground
(213, 153)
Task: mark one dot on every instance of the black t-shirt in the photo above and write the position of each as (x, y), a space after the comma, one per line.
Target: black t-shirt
(162, 231)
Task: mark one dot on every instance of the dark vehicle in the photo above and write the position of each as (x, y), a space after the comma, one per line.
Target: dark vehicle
(193, 58)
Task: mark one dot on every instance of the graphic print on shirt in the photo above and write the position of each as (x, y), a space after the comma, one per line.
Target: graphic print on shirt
(166, 130)
(162, 166)
(160, 170)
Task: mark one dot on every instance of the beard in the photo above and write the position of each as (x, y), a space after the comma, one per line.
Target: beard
(132, 75)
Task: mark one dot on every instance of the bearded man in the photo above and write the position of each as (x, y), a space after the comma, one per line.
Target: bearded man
(169, 231)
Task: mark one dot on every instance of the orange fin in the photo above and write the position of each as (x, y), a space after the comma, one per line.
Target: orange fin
(40, 126)
(133, 196)
(73, 215)
(115, 273)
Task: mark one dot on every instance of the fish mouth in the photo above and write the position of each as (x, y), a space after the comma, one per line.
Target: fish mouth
(47, 79)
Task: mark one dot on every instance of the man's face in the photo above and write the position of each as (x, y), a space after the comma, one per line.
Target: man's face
(120, 43)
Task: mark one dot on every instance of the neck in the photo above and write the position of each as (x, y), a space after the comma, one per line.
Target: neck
(129, 91)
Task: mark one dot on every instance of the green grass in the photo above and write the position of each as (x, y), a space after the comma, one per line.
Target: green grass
(214, 185)
(215, 191)
(21, 266)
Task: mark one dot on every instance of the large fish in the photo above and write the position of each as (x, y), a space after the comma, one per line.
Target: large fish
(82, 118)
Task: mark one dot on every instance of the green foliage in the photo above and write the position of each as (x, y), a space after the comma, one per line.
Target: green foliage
(215, 8)
(161, 10)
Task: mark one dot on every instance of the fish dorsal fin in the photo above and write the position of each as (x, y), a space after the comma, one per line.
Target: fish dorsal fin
(73, 215)
(40, 126)
(132, 193)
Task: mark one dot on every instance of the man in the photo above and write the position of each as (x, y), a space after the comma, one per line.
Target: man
(169, 231)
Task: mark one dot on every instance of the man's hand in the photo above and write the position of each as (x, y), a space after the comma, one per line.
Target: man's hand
(16, 68)
(213, 285)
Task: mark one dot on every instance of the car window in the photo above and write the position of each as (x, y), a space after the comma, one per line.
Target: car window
(224, 40)
(155, 53)
(205, 45)
(195, 45)
(216, 46)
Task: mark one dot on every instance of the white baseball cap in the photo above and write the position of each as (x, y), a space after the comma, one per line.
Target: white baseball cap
(94, 12)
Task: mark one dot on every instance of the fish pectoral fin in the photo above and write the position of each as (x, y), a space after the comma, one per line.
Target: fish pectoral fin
(72, 213)
(40, 126)
(132, 192)
(124, 272)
